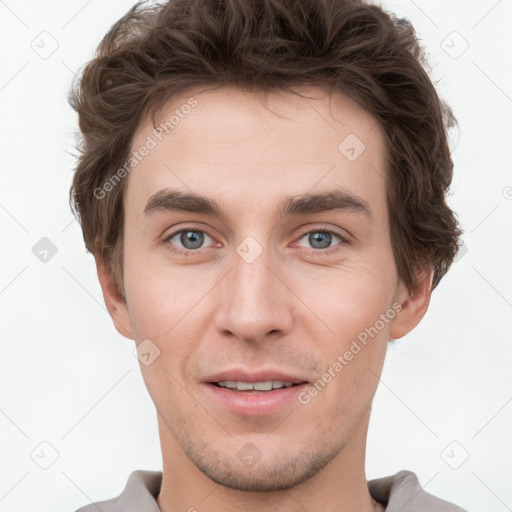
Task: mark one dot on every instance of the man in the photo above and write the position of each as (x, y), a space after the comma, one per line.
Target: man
(262, 185)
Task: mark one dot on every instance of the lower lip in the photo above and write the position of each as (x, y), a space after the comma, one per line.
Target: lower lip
(253, 403)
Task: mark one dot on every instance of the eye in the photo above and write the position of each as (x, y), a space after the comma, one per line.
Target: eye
(321, 240)
(190, 239)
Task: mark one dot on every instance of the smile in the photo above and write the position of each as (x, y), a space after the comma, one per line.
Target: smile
(253, 398)
(254, 386)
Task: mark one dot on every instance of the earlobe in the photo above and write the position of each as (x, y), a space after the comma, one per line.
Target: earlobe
(414, 305)
(115, 302)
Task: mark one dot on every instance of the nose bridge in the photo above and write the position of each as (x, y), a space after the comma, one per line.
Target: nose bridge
(253, 300)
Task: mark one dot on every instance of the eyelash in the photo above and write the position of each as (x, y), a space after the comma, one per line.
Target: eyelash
(314, 252)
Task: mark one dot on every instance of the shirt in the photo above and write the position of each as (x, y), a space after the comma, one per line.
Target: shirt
(401, 492)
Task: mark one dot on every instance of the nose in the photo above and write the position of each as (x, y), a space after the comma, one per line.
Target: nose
(255, 302)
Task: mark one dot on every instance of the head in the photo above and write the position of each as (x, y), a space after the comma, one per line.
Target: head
(263, 187)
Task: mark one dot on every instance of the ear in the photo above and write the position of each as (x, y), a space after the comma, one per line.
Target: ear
(414, 304)
(115, 302)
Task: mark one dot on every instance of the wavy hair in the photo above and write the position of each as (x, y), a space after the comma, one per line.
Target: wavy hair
(159, 49)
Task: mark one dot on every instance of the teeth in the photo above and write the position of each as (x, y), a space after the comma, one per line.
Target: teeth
(262, 386)
(255, 386)
(244, 386)
(227, 384)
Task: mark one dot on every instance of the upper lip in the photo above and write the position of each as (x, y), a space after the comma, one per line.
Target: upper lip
(240, 375)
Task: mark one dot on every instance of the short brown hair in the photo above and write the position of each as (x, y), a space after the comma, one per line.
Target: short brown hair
(157, 50)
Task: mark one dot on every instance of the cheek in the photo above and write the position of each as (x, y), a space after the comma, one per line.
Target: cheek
(160, 294)
(170, 307)
(347, 299)
(353, 348)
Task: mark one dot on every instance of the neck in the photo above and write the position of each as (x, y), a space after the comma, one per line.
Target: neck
(340, 486)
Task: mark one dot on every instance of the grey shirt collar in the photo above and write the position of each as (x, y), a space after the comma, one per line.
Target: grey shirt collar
(401, 492)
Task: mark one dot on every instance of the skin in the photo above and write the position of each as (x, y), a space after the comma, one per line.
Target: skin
(287, 310)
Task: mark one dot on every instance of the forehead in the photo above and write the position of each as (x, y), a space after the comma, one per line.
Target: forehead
(254, 148)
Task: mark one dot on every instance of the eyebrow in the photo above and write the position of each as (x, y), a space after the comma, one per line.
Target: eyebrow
(168, 200)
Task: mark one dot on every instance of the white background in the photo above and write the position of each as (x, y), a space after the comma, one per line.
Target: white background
(70, 380)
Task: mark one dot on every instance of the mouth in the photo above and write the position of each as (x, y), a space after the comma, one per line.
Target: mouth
(254, 395)
(255, 387)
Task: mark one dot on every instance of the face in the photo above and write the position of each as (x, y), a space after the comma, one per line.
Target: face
(257, 253)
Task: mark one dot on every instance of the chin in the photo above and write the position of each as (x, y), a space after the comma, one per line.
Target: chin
(277, 473)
